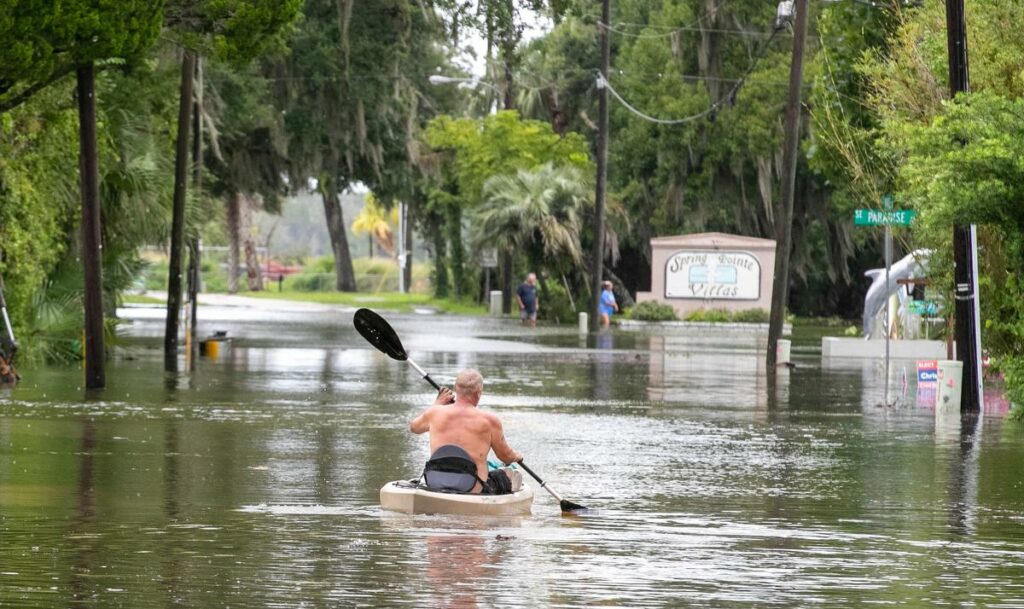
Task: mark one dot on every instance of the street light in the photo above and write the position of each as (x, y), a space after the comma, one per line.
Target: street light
(464, 83)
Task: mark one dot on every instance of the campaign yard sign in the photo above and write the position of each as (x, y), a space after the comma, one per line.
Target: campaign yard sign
(927, 371)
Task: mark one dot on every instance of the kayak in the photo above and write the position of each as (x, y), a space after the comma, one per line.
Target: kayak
(411, 498)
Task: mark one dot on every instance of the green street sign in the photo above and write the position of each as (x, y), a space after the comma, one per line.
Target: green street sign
(887, 200)
(877, 217)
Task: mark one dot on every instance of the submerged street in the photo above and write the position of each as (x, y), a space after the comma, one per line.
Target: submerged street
(254, 481)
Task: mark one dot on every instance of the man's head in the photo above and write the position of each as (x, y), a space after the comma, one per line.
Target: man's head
(607, 285)
(531, 278)
(469, 385)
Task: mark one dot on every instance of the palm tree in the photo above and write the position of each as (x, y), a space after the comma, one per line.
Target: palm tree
(376, 222)
(538, 211)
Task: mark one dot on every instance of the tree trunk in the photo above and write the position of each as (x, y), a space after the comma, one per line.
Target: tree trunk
(407, 228)
(181, 151)
(252, 266)
(234, 239)
(253, 277)
(345, 277)
(88, 165)
(441, 285)
(456, 249)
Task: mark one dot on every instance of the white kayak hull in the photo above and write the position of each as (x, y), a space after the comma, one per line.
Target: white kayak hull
(401, 496)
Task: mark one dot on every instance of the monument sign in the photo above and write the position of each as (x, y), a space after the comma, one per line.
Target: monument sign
(711, 271)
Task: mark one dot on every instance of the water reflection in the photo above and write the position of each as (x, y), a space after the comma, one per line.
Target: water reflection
(256, 483)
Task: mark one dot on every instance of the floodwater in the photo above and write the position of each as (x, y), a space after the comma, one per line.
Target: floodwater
(254, 482)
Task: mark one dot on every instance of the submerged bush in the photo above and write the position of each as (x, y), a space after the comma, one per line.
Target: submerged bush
(653, 311)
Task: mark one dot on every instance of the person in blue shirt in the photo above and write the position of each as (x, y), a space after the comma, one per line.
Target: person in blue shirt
(529, 303)
(608, 304)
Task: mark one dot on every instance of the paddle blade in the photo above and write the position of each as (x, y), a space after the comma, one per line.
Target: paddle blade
(379, 333)
(569, 506)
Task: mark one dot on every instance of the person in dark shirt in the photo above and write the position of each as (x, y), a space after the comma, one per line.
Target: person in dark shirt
(528, 301)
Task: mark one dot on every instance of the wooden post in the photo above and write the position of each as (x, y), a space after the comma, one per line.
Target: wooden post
(784, 211)
(188, 70)
(94, 349)
(602, 167)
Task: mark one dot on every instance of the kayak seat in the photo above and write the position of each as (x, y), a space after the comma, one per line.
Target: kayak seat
(450, 470)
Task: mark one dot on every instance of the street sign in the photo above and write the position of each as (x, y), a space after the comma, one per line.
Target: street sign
(887, 201)
(877, 217)
(489, 257)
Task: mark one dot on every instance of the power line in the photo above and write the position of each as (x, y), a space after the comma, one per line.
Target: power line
(673, 31)
(710, 111)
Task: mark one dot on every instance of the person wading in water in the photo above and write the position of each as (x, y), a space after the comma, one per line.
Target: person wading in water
(461, 436)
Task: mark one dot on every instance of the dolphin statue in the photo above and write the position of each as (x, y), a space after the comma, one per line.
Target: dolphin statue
(914, 264)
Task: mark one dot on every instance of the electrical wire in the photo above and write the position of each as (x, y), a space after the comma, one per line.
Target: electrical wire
(602, 82)
(683, 29)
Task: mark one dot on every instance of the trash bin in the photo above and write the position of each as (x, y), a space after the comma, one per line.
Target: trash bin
(496, 303)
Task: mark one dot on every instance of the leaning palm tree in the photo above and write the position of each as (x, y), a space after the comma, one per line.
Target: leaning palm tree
(538, 211)
(375, 221)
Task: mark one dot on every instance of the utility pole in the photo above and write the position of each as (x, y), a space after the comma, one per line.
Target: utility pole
(188, 72)
(967, 328)
(92, 238)
(602, 166)
(508, 51)
(192, 348)
(784, 210)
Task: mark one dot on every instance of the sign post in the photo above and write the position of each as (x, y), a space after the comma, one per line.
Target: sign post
(887, 201)
(887, 217)
(488, 260)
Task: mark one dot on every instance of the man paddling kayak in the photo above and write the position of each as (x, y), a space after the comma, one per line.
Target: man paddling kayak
(460, 431)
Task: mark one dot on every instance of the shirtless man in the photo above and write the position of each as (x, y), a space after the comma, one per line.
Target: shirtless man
(455, 419)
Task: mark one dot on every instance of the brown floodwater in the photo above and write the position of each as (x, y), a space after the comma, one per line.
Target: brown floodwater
(254, 481)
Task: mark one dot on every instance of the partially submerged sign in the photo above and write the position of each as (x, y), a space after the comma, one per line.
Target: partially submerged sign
(723, 275)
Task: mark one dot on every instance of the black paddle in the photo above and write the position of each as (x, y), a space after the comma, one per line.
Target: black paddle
(381, 335)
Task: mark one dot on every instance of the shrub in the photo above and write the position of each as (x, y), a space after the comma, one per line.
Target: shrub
(758, 316)
(556, 307)
(1013, 371)
(711, 315)
(653, 311)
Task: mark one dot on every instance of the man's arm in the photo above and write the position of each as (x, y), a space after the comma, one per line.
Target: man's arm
(421, 424)
(519, 299)
(500, 446)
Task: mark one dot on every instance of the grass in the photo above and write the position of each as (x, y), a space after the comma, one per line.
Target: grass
(388, 301)
(141, 299)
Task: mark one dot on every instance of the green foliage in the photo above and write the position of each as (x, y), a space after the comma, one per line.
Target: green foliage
(235, 31)
(1013, 370)
(756, 316)
(373, 276)
(955, 162)
(556, 306)
(709, 315)
(759, 316)
(965, 168)
(37, 197)
(522, 184)
(500, 144)
(653, 311)
(539, 211)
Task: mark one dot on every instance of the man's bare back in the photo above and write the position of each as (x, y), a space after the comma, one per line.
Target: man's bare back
(461, 423)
